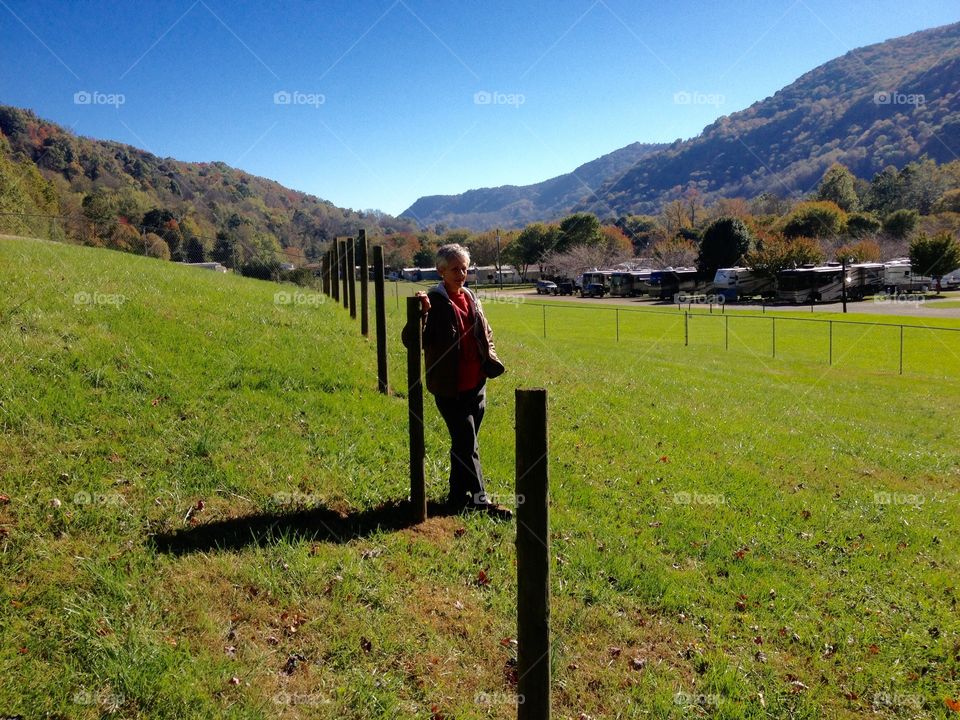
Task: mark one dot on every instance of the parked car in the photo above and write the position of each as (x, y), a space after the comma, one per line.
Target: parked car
(547, 287)
(566, 287)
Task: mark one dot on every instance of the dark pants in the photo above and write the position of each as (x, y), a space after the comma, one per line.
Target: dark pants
(463, 415)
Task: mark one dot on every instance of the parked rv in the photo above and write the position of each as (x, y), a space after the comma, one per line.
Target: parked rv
(825, 283)
(739, 283)
(629, 284)
(664, 284)
(898, 278)
(595, 283)
(810, 284)
(864, 279)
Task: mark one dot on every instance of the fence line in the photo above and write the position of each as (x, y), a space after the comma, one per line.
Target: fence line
(772, 319)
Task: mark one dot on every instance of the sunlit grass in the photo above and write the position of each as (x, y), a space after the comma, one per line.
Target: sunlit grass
(766, 536)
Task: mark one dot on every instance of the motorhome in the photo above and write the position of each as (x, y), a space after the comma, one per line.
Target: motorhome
(629, 284)
(665, 284)
(864, 279)
(810, 284)
(739, 283)
(595, 283)
(899, 278)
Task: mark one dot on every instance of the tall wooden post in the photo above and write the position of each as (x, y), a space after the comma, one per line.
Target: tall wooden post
(533, 556)
(325, 273)
(352, 275)
(344, 292)
(380, 309)
(364, 264)
(335, 270)
(418, 485)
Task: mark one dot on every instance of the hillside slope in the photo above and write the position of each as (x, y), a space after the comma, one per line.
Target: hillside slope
(201, 510)
(105, 181)
(885, 104)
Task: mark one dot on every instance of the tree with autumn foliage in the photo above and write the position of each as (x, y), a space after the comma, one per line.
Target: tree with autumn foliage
(674, 252)
(816, 219)
(774, 252)
(861, 251)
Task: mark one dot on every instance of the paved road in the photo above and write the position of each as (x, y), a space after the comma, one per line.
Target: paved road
(926, 308)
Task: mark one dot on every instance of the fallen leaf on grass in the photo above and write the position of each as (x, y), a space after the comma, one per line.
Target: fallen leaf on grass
(797, 687)
(459, 532)
(234, 680)
(952, 704)
(482, 579)
(664, 459)
(4, 499)
(874, 648)
(638, 663)
(739, 554)
(23, 650)
(614, 651)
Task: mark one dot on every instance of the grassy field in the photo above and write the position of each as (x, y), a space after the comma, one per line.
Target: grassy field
(200, 511)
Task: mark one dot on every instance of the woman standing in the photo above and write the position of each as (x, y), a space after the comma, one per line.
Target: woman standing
(459, 357)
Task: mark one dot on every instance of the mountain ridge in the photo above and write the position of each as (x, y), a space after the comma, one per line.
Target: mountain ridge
(882, 104)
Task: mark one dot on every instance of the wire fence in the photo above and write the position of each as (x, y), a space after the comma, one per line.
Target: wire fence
(888, 347)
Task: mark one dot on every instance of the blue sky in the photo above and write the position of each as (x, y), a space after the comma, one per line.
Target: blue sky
(372, 104)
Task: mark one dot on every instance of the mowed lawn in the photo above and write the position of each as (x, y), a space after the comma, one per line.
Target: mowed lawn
(202, 511)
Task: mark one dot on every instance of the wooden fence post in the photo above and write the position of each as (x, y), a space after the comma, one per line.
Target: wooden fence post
(418, 491)
(344, 292)
(335, 270)
(352, 274)
(380, 310)
(327, 258)
(364, 283)
(533, 556)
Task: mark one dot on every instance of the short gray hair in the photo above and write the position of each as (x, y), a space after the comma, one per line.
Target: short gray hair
(448, 253)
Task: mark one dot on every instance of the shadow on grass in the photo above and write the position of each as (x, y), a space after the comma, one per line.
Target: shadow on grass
(316, 524)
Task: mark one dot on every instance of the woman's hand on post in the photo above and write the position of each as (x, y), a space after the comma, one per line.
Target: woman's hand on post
(424, 302)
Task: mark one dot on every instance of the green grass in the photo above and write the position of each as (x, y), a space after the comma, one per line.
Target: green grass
(774, 537)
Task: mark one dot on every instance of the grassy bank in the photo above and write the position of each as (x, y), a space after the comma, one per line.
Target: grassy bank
(203, 480)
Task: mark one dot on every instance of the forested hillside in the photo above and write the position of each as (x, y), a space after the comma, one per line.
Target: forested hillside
(111, 194)
(883, 105)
